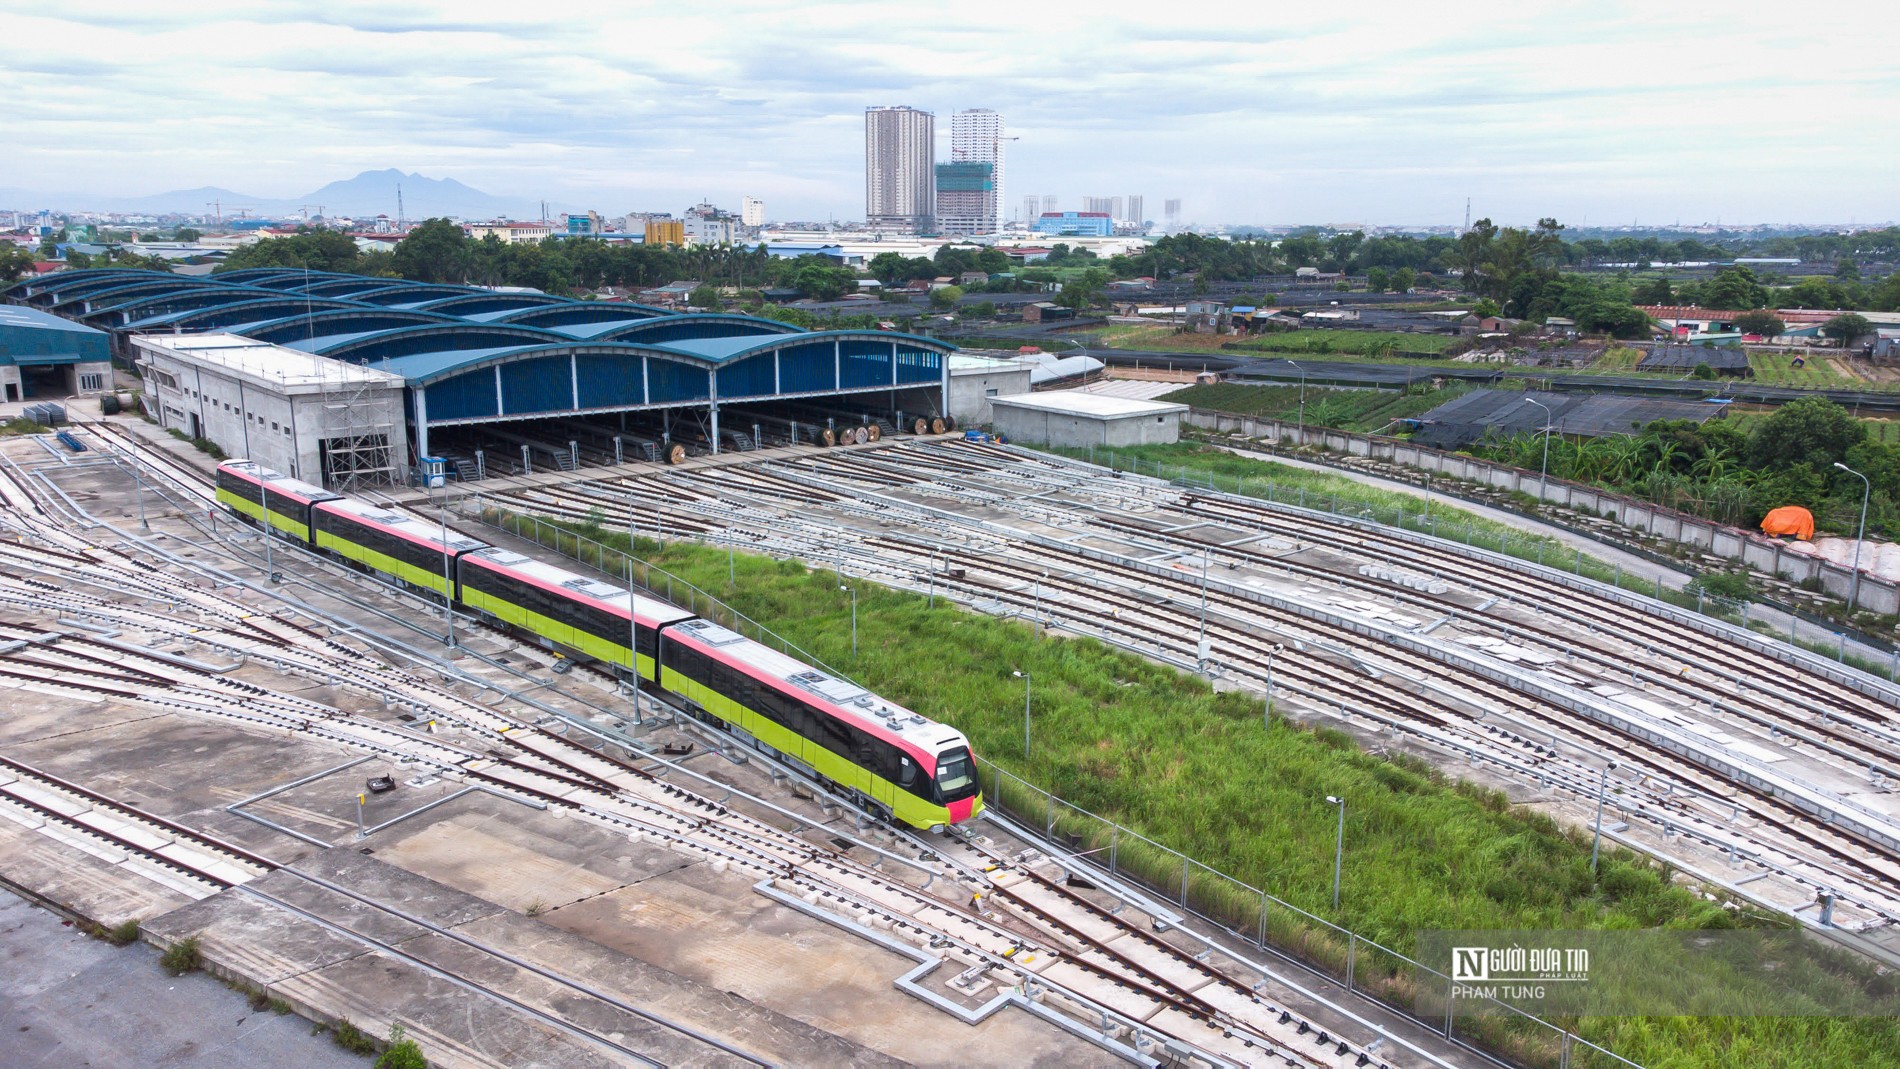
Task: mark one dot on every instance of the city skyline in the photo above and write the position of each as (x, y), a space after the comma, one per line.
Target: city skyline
(1385, 114)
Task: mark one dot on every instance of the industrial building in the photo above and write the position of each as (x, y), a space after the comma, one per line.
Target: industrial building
(324, 421)
(44, 356)
(976, 380)
(346, 380)
(1080, 420)
(1079, 224)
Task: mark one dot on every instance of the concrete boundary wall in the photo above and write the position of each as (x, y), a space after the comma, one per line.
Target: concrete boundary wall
(1758, 552)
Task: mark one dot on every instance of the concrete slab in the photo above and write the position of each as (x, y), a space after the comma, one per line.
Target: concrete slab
(68, 1000)
(709, 927)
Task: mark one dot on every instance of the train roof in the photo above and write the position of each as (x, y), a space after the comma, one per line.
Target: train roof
(404, 525)
(561, 581)
(278, 480)
(845, 698)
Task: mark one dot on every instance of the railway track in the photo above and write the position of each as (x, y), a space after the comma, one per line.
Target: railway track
(1676, 796)
(1137, 991)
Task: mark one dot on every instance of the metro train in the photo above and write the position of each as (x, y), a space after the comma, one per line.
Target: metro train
(887, 758)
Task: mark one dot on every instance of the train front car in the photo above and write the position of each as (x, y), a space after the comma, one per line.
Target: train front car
(570, 613)
(885, 757)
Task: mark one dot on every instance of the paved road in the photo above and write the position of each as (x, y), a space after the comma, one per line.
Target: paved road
(68, 1001)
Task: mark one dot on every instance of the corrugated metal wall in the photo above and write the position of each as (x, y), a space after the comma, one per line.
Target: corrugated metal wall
(610, 380)
(542, 384)
(755, 376)
(672, 381)
(808, 368)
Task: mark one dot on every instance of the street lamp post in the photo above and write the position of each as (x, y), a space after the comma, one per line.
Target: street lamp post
(1024, 676)
(1266, 712)
(1200, 643)
(1867, 489)
(854, 616)
(138, 476)
(1543, 474)
(1596, 840)
(1339, 845)
(448, 572)
(633, 624)
(1302, 372)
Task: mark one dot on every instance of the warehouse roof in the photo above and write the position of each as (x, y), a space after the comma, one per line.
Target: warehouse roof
(1090, 405)
(13, 315)
(269, 365)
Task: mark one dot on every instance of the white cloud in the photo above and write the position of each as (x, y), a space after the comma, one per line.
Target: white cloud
(1378, 112)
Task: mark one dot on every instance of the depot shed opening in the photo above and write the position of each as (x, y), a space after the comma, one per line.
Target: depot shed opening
(1079, 420)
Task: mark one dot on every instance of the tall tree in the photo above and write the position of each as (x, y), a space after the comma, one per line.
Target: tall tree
(14, 262)
(1734, 288)
(436, 251)
(1760, 321)
(1846, 327)
(1812, 431)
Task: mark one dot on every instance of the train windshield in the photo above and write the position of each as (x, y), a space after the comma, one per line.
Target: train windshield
(955, 777)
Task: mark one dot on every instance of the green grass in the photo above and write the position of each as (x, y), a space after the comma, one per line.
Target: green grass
(21, 425)
(1818, 373)
(1345, 342)
(1349, 410)
(1359, 346)
(1886, 431)
(1617, 359)
(1162, 753)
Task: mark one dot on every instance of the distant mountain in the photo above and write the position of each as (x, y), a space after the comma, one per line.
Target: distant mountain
(370, 194)
(374, 193)
(196, 200)
(178, 200)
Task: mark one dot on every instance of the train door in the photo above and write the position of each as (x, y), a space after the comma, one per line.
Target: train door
(883, 791)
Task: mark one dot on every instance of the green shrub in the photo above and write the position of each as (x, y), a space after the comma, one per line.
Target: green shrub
(1732, 585)
(351, 1038)
(182, 957)
(403, 1052)
(124, 933)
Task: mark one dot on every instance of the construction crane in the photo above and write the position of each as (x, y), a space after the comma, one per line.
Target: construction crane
(217, 209)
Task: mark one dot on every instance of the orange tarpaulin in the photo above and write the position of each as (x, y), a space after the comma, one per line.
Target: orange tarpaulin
(1790, 520)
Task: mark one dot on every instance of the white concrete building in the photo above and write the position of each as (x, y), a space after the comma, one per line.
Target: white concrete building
(752, 212)
(320, 420)
(976, 380)
(1079, 420)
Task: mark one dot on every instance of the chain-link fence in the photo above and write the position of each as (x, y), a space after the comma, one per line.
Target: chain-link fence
(1275, 925)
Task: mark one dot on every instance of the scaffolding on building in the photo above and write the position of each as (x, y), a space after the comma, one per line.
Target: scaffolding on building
(352, 445)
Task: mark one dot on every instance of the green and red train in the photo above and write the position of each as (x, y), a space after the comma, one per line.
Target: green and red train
(887, 758)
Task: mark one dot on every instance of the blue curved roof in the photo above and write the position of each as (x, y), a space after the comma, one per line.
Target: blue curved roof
(573, 312)
(659, 330)
(473, 354)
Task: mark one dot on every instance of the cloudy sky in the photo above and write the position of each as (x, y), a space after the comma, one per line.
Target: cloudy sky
(1371, 112)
